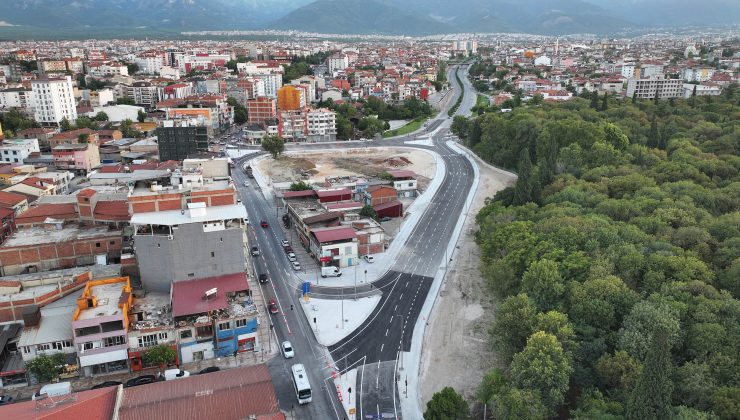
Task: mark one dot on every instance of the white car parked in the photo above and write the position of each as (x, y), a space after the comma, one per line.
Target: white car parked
(369, 258)
(296, 265)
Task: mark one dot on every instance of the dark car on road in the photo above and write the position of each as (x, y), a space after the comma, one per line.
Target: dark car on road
(264, 224)
(141, 380)
(255, 251)
(209, 369)
(106, 384)
(5, 399)
(263, 278)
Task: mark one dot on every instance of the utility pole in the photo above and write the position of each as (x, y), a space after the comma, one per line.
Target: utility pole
(342, 307)
(355, 281)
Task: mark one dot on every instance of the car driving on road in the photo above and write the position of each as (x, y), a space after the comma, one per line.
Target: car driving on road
(287, 350)
(263, 278)
(255, 251)
(264, 224)
(272, 306)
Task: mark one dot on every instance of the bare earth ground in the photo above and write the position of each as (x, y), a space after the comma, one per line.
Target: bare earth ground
(317, 166)
(456, 350)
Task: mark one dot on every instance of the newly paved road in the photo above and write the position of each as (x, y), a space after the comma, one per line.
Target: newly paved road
(374, 347)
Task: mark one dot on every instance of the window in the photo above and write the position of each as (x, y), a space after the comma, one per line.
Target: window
(213, 254)
(148, 340)
(224, 326)
(191, 274)
(88, 346)
(112, 242)
(113, 341)
(241, 323)
(186, 334)
(42, 347)
(163, 336)
(97, 244)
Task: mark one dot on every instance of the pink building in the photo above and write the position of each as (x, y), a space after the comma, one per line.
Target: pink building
(80, 158)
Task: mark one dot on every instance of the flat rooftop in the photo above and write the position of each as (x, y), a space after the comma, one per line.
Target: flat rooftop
(107, 296)
(44, 235)
(207, 186)
(51, 280)
(181, 217)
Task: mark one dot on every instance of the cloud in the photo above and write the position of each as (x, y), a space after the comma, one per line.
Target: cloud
(4, 23)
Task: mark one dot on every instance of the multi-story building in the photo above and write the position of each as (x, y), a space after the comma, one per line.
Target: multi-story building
(337, 62)
(272, 82)
(291, 98)
(107, 69)
(261, 109)
(15, 151)
(150, 62)
(292, 125)
(21, 98)
(661, 86)
(176, 91)
(54, 100)
(51, 66)
(700, 90)
(100, 326)
(321, 125)
(79, 158)
(199, 242)
(215, 317)
(150, 325)
(178, 140)
(697, 74)
(335, 246)
(142, 93)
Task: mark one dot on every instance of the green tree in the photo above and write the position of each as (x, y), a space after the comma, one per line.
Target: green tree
(595, 100)
(85, 122)
(544, 367)
(618, 371)
(514, 322)
(493, 383)
(605, 102)
(275, 145)
(133, 68)
(447, 405)
(83, 138)
(46, 367)
(523, 188)
(141, 116)
(125, 101)
(726, 402)
(516, 403)
(300, 186)
(542, 282)
(64, 124)
(645, 319)
(8, 134)
(651, 397)
(101, 116)
(459, 127)
(160, 355)
(370, 126)
(653, 139)
(368, 211)
(128, 130)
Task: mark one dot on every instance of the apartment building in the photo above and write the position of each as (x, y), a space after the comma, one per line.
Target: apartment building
(21, 98)
(142, 93)
(272, 82)
(291, 98)
(659, 85)
(197, 242)
(100, 326)
(321, 125)
(54, 100)
(697, 74)
(261, 109)
(16, 151)
(79, 158)
(102, 70)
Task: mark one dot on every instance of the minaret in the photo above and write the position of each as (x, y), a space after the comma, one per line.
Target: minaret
(557, 46)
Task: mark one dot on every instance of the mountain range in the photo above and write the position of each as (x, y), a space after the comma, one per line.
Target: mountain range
(66, 18)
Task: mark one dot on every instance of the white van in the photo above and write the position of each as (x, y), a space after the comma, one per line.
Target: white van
(53, 390)
(172, 374)
(330, 271)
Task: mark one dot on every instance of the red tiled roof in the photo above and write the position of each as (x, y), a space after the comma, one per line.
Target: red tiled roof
(73, 134)
(112, 210)
(5, 212)
(93, 404)
(10, 199)
(226, 395)
(334, 192)
(387, 205)
(187, 296)
(348, 205)
(402, 173)
(295, 194)
(87, 192)
(379, 187)
(333, 234)
(34, 182)
(63, 211)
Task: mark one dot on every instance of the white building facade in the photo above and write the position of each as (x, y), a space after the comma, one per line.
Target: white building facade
(54, 100)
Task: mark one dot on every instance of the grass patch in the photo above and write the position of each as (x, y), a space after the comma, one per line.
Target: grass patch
(454, 108)
(482, 101)
(406, 129)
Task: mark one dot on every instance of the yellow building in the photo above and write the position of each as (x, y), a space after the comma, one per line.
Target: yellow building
(291, 98)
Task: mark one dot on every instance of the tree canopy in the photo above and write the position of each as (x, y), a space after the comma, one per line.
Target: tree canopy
(273, 145)
(624, 225)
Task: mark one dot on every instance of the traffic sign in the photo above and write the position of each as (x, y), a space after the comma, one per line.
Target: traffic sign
(306, 287)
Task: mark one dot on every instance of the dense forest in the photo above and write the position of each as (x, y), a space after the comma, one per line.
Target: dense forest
(615, 259)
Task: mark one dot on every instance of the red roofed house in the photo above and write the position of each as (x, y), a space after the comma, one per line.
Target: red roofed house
(72, 137)
(335, 246)
(7, 223)
(15, 201)
(93, 404)
(404, 182)
(33, 187)
(389, 209)
(379, 194)
(334, 195)
(234, 394)
(37, 215)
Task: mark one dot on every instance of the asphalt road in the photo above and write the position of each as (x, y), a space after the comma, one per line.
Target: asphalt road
(374, 347)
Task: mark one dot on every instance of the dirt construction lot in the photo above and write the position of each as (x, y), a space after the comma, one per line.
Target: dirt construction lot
(315, 167)
(456, 350)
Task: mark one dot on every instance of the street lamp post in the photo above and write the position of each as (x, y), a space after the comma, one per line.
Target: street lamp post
(342, 307)
(365, 276)
(355, 281)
